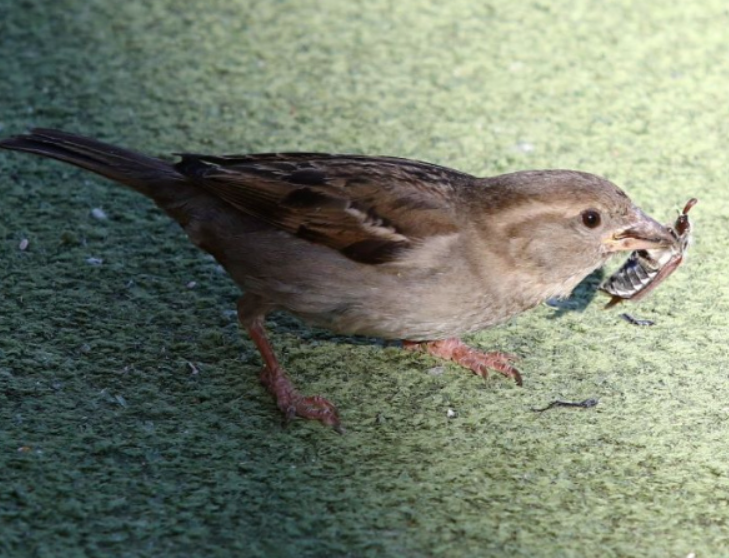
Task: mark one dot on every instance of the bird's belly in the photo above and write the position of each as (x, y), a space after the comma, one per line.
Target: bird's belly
(433, 312)
(431, 296)
(414, 326)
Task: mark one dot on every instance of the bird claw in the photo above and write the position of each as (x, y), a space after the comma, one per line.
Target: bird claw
(293, 404)
(315, 407)
(480, 363)
(477, 361)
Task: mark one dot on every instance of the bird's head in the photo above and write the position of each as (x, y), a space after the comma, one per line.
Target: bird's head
(559, 226)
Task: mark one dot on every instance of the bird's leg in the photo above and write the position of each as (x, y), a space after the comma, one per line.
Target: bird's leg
(273, 376)
(476, 361)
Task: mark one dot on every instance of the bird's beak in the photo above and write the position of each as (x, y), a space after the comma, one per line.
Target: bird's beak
(642, 233)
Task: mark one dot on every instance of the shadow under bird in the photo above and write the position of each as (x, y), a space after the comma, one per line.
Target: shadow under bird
(377, 246)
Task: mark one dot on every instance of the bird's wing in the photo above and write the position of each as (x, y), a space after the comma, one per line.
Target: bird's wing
(371, 209)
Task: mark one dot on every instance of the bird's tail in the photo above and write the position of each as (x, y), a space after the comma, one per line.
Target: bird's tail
(150, 176)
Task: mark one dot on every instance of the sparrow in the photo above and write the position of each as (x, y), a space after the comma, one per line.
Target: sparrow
(377, 246)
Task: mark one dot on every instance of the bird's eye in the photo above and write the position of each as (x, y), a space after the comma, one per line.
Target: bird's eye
(591, 218)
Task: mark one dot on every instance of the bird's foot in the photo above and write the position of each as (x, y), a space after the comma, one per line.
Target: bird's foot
(293, 404)
(273, 376)
(476, 361)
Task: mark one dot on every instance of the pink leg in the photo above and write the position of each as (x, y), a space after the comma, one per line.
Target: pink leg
(277, 382)
(476, 361)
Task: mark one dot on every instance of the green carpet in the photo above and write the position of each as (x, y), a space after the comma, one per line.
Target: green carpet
(132, 422)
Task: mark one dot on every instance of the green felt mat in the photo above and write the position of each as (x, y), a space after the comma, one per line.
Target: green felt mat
(132, 422)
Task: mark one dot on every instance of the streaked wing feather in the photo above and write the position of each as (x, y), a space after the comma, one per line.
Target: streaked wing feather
(370, 209)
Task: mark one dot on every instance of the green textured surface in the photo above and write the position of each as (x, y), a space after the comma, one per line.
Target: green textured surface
(111, 444)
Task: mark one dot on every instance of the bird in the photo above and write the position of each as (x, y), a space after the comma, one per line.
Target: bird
(377, 246)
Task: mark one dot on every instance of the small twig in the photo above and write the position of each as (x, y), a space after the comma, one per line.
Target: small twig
(586, 404)
(636, 321)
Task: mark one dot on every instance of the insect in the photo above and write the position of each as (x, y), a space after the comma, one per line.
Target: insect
(644, 270)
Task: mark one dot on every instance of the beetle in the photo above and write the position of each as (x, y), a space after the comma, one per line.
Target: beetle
(644, 270)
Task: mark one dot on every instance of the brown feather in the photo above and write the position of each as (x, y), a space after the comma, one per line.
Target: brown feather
(369, 209)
